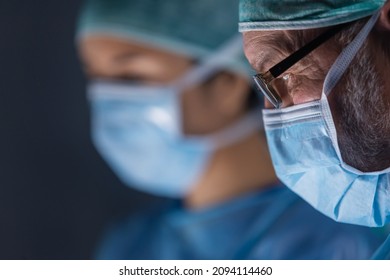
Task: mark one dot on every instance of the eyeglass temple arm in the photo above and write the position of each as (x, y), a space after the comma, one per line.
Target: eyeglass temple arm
(289, 61)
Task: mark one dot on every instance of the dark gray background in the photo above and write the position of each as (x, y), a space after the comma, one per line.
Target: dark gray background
(56, 193)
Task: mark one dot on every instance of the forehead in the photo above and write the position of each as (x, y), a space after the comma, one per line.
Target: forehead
(109, 47)
(267, 47)
(111, 56)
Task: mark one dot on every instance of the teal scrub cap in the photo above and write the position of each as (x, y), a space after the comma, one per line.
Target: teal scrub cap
(302, 14)
(192, 28)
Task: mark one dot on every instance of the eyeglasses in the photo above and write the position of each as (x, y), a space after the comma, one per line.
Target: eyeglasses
(263, 80)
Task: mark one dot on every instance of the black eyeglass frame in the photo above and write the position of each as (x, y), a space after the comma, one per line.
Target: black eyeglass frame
(263, 80)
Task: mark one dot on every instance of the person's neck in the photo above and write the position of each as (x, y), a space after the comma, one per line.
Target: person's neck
(232, 172)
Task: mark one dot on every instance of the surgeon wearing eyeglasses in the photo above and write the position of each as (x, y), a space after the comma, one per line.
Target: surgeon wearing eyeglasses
(323, 68)
(173, 115)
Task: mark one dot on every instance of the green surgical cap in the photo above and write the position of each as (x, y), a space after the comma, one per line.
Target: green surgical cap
(302, 14)
(192, 28)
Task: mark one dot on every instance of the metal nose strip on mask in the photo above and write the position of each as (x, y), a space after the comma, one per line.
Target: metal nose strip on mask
(236, 131)
(291, 115)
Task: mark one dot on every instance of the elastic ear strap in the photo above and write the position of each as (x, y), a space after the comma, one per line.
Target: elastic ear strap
(213, 62)
(345, 58)
(238, 130)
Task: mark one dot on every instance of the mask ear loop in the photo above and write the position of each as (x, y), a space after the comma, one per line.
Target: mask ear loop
(345, 58)
(209, 66)
(333, 77)
(236, 131)
(211, 63)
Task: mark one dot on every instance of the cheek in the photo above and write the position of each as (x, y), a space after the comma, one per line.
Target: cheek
(201, 113)
(195, 109)
(307, 90)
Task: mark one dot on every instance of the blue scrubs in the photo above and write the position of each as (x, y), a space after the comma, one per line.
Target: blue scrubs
(383, 252)
(271, 224)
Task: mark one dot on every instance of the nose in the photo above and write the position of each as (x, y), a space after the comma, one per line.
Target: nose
(310, 90)
(279, 87)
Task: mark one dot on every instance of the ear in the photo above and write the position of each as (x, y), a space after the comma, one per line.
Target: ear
(229, 93)
(384, 18)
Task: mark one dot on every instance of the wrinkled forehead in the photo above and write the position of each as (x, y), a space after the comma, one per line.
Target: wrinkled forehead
(261, 47)
(265, 23)
(266, 47)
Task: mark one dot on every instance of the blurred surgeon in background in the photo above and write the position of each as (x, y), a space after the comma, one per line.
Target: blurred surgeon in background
(173, 115)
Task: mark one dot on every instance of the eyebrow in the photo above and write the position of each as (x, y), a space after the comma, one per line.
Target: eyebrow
(264, 58)
(125, 56)
(117, 59)
(261, 61)
(266, 48)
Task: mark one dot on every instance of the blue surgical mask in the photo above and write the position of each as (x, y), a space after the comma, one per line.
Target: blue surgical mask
(306, 156)
(138, 131)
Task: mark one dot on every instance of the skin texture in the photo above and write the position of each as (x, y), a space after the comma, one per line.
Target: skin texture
(360, 102)
(235, 170)
(264, 49)
(306, 77)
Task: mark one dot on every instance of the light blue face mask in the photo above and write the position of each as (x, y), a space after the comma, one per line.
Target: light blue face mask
(306, 156)
(137, 130)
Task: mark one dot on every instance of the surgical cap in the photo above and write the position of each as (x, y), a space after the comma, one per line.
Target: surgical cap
(192, 28)
(302, 14)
